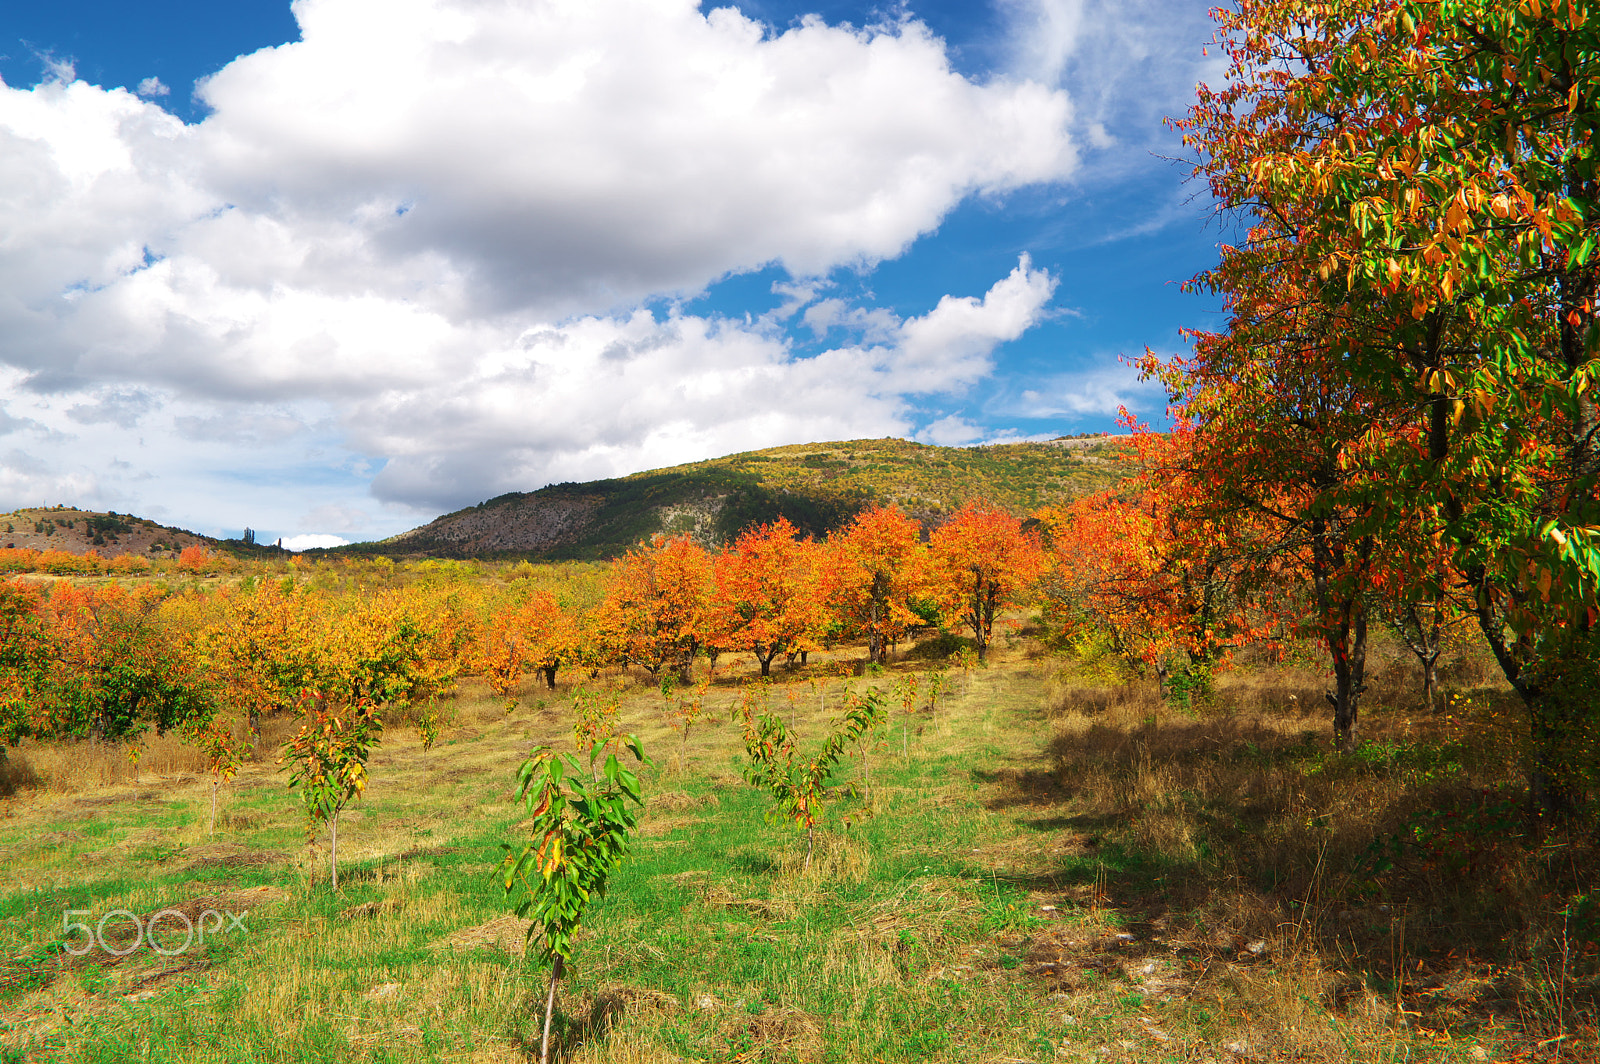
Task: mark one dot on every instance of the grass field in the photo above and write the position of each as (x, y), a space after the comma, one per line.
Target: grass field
(1057, 869)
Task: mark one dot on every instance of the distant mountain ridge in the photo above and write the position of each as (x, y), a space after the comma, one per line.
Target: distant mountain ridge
(817, 486)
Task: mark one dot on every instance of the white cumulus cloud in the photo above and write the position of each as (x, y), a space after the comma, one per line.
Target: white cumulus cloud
(605, 395)
(412, 246)
(311, 541)
(1100, 390)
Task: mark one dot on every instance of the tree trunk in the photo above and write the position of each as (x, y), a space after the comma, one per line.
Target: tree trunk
(1349, 677)
(333, 849)
(549, 676)
(1555, 719)
(877, 646)
(549, 1010)
(212, 829)
(1549, 790)
(1430, 681)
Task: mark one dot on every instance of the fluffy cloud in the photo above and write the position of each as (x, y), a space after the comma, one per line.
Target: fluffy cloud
(572, 155)
(421, 234)
(602, 396)
(951, 431)
(1098, 391)
(311, 541)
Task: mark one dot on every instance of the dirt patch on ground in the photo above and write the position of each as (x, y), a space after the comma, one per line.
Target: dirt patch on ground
(59, 838)
(654, 826)
(507, 933)
(230, 855)
(370, 909)
(723, 898)
(778, 1033)
(145, 985)
(612, 1003)
(679, 801)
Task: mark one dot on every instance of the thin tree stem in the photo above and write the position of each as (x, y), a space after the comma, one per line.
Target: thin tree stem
(549, 1011)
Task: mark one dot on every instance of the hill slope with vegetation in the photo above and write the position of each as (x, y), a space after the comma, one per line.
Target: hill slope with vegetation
(70, 530)
(817, 486)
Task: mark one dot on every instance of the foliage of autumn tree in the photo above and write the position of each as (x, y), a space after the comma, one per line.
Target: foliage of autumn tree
(258, 643)
(873, 570)
(769, 593)
(982, 563)
(1171, 588)
(552, 634)
(25, 661)
(1285, 443)
(534, 633)
(199, 560)
(1427, 167)
(657, 604)
(114, 673)
(500, 650)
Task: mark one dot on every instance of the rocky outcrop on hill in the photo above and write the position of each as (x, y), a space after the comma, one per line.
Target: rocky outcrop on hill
(531, 523)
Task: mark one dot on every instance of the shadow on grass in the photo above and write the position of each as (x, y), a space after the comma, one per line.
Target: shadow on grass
(1411, 863)
(753, 864)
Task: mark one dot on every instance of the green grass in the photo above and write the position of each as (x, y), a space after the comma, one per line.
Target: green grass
(986, 900)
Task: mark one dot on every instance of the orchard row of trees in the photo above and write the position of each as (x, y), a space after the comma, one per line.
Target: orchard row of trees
(1401, 410)
(113, 661)
(192, 560)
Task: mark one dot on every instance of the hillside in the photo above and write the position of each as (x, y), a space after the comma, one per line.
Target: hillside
(75, 531)
(818, 486)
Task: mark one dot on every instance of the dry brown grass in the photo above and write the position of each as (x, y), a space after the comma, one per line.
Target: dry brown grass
(1264, 856)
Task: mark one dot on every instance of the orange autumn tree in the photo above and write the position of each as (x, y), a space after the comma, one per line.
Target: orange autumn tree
(769, 593)
(982, 563)
(25, 661)
(656, 611)
(535, 634)
(1284, 446)
(552, 633)
(1433, 165)
(115, 672)
(873, 569)
(258, 643)
(498, 648)
(1172, 588)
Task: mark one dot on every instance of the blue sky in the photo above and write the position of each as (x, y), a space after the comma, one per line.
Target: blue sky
(335, 269)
